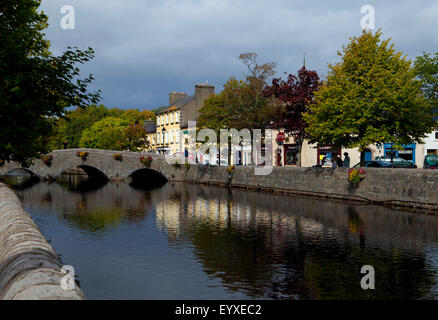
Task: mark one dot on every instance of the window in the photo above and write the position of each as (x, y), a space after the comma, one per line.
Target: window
(162, 120)
(158, 138)
(165, 137)
(171, 118)
(153, 140)
(177, 132)
(436, 135)
(167, 118)
(171, 136)
(177, 117)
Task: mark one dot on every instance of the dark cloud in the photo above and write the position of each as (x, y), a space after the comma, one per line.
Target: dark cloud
(145, 48)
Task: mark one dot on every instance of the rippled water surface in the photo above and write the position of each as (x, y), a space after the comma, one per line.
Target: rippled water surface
(184, 241)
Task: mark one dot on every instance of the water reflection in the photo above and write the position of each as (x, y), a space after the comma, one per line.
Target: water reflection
(79, 181)
(19, 179)
(226, 244)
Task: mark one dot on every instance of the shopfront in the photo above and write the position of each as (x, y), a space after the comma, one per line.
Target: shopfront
(326, 154)
(290, 154)
(408, 152)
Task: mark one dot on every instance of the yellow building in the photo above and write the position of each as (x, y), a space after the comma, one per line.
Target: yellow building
(172, 123)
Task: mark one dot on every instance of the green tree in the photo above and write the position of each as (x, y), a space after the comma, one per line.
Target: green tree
(241, 104)
(371, 96)
(137, 117)
(70, 127)
(35, 85)
(218, 111)
(105, 134)
(426, 68)
(134, 138)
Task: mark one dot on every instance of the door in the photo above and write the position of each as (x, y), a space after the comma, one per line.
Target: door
(367, 155)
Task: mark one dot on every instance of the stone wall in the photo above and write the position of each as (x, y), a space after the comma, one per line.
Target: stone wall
(415, 188)
(29, 267)
(103, 160)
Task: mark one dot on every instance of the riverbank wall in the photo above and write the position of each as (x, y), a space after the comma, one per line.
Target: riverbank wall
(406, 188)
(30, 269)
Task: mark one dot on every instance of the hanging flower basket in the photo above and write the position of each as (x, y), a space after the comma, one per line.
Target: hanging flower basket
(118, 156)
(47, 159)
(231, 169)
(146, 161)
(355, 176)
(82, 154)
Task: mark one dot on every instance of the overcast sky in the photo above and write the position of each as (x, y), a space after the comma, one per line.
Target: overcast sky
(148, 48)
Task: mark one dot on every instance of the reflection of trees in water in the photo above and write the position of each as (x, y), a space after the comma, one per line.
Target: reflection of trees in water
(19, 181)
(266, 245)
(94, 212)
(286, 255)
(81, 183)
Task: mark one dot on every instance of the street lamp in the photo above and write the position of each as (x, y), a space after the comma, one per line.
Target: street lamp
(162, 137)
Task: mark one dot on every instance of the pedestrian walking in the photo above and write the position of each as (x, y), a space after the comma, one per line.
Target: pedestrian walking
(346, 160)
(339, 161)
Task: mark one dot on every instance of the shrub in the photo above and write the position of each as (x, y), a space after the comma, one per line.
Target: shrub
(146, 161)
(118, 156)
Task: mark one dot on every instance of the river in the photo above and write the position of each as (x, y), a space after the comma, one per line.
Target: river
(187, 241)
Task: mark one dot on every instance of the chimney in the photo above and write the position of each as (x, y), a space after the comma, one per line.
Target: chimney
(202, 92)
(175, 96)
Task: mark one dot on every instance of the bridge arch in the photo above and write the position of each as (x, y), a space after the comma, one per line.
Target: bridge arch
(93, 172)
(147, 178)
(97, 163)
(32, 174)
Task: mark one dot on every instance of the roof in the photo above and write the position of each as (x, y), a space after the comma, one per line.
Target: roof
(178, 104)
(150, 126)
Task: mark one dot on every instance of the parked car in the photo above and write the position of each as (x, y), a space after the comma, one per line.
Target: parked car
(397, 162)
(376, 164)
(431, 162)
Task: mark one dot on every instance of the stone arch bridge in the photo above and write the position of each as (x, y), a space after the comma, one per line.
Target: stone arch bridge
(98, 162)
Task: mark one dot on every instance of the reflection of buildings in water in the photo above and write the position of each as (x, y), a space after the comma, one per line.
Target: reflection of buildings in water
(173, 215)
(314, 219)
(431, 255)
(265, 244)
(168, 218)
